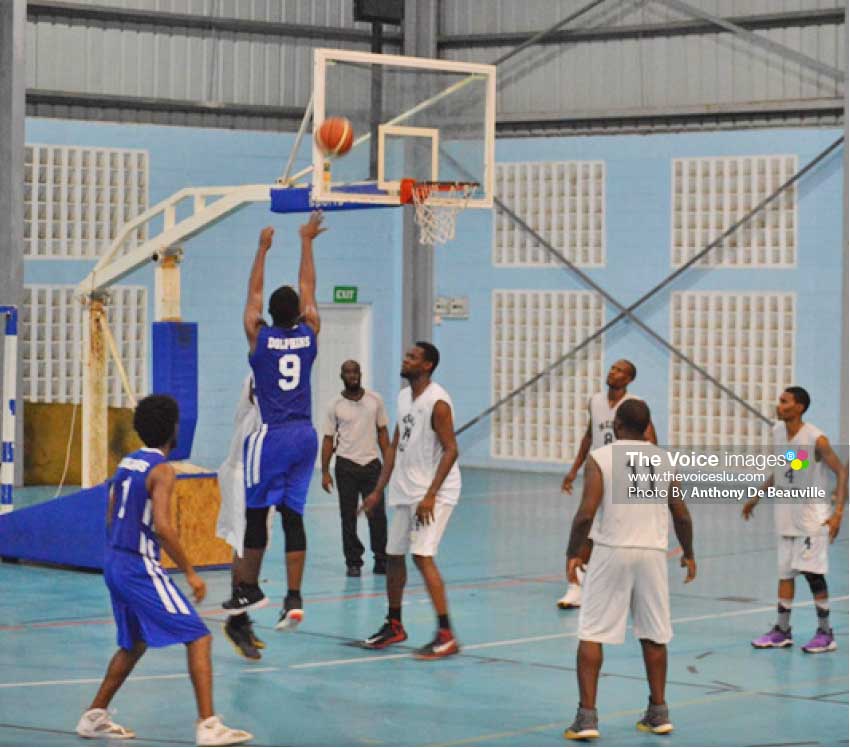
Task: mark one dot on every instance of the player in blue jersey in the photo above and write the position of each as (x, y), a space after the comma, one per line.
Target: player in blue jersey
(279, 458)
(149, 610)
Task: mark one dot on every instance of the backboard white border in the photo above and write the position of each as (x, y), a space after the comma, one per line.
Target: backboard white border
(322, 186)
(407, 132)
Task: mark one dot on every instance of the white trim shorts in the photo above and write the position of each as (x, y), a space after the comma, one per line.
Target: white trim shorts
(407, 535)
(623, 580)
(799, 554)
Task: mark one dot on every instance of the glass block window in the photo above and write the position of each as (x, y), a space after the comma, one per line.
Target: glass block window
(746, 341)
(532, 329)
(563, 201)
(710, 194)
(77, 199)
(52, 343)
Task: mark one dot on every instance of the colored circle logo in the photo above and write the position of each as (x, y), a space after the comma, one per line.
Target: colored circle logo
(799, 460)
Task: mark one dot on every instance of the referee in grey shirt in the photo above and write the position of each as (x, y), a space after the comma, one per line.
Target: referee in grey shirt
(357, 420)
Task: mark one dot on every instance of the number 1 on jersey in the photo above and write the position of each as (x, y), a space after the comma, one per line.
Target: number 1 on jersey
(289, 367)
(125, 492)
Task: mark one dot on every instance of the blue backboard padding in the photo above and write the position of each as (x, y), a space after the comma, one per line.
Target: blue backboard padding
(175, 373)
(70, 530)
(297, 199)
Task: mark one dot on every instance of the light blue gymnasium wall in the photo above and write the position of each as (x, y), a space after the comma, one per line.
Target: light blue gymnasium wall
(360, 248)
(638, 191)
(363, 249)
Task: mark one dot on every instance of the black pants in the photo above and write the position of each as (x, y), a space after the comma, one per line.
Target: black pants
(352, 482)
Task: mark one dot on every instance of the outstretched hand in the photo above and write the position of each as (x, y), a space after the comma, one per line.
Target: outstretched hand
(313, 227)
(266, 236)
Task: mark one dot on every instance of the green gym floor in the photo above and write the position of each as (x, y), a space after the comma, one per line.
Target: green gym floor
(514, 682)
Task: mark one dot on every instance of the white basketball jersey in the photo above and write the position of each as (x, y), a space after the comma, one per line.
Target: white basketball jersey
(800, 517)
(419, 450)
(629, 522)
(602, 418)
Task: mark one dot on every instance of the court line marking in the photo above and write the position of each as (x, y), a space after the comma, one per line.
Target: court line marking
(90, 681)
(622, 713)
(549, 637)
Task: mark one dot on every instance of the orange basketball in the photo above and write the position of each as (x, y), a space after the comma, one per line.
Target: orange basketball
(335, 136)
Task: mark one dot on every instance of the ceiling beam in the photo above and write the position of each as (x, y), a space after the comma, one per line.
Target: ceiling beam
(782, 50)
(795, 19)
(77, 13)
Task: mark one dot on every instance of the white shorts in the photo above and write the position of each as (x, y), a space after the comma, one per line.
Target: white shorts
(406, 535)
(620, 580)
(802, 554)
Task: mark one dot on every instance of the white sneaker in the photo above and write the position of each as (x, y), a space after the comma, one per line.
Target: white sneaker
(212, 731)
(572, 597)
(96, 723)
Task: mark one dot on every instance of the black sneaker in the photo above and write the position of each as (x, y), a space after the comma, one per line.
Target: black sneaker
(352, 571)
(245, 597)
(240, 638)
(249, 628)
(380, 566)
(392, 632)
(291, 615)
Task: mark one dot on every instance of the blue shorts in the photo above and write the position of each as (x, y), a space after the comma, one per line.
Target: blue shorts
(146, 603)
(279, 463)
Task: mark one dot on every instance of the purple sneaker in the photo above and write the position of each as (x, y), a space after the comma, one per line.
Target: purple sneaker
(776, 638)
(822, 641)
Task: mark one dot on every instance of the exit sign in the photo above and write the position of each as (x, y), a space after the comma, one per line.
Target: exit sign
(345, 294)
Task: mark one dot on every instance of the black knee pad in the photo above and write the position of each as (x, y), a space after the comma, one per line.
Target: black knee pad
(817, 583)
(293, 530)
(256, 528)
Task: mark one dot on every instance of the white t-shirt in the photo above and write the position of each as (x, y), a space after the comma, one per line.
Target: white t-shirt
(419, 450)
(602, 418)
(800, 517)
(355, 425)
(630, 523)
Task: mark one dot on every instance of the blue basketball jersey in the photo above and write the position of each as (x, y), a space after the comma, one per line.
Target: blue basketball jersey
(282, 362)
(130, 526)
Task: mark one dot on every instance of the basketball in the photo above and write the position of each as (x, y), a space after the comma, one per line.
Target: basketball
(334, 136)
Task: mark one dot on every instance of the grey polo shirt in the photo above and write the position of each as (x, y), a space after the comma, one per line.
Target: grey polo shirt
(355, 425)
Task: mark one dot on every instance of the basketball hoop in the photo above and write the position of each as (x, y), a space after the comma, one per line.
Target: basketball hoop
(437, 205)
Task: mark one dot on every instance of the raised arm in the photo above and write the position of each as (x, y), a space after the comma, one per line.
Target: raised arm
(307, 271)
(160, 485)
(253, 316)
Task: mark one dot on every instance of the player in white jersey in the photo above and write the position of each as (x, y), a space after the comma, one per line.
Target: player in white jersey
(627, 504)
(806, 525)
(424, 485)
(600, 431)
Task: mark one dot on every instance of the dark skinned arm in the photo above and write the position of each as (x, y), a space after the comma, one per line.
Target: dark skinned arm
(442, 423)
(591, 498)
(823, 449)
(374, 498)
(684, 529)
(160, 485)
(307, 272)
(252, 317)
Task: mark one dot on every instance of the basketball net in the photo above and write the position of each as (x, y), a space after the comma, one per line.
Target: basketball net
(435, 218)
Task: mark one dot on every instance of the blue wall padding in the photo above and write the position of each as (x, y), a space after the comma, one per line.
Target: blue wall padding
(70, 530)
(175, 373)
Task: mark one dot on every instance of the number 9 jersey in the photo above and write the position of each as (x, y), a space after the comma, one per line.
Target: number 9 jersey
(279, 457)
(282, 361)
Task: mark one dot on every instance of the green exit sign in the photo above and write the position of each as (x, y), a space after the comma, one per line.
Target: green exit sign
(345, 294)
